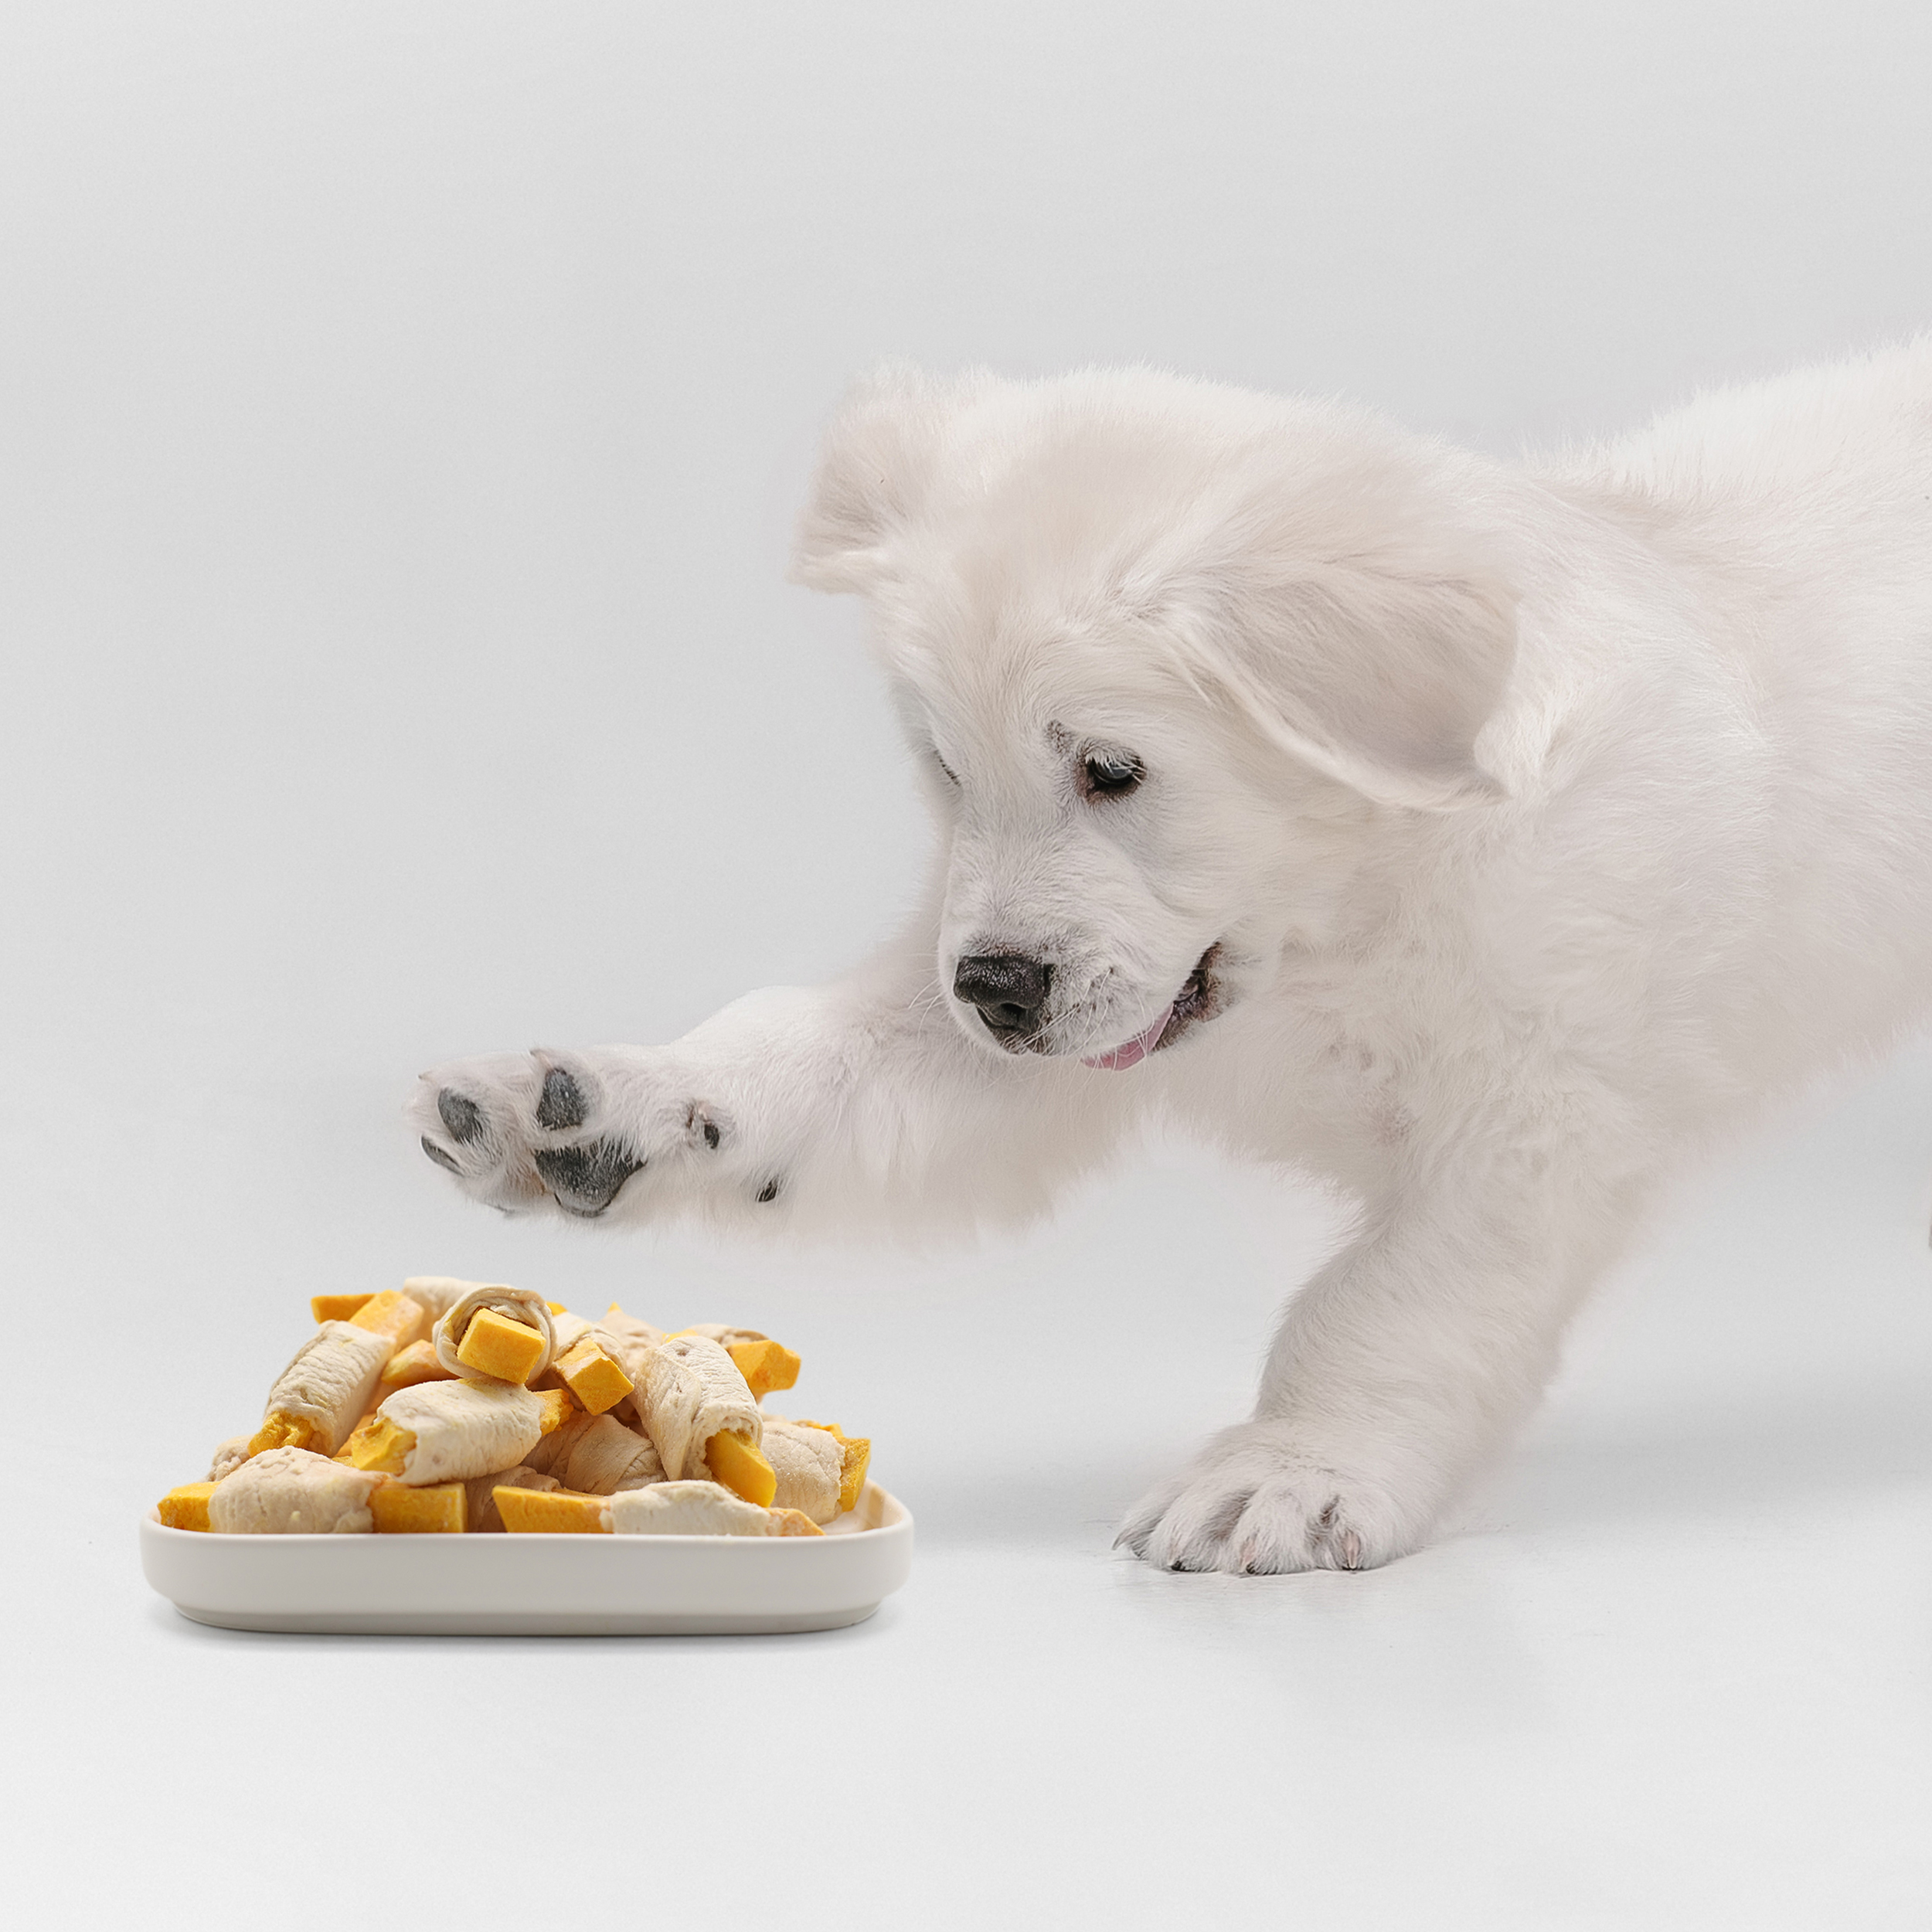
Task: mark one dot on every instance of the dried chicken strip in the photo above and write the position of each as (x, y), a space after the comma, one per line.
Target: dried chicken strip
(726, 1337)
(438, 1293)
(632, 1341)
(318, 1398)
(687, 1509)
(228, 1455)
(604, 1456)
(514, 1305)
(855, 1455)
(809, 1466)
(445, 1431)
(292, 1492)
(480, 1495)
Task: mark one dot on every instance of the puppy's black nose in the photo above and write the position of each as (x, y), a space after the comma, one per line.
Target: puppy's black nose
(1008, 988)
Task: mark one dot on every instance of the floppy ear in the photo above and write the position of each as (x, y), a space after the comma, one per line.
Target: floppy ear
(1382, 677)
(880, 453)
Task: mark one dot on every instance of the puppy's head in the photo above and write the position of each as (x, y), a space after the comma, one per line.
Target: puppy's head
(1169, 653)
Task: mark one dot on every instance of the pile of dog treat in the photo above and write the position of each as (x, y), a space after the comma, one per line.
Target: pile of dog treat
(449, 1406)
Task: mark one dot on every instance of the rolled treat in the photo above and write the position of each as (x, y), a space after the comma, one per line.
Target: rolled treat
(599, 1455)
(766, 1365)
(809, 1465)
(726, 1337)
(606, 1457)
(292, 1492)
(449, 1431)
(632, 1341)
(555, 1449)
(320, 1396)
(228, 1455)
(855, 1454)
(438, 1293)
(687, 1509)
(702, 1418)
(511, 1309)
(480, 1495)
(586, 1364)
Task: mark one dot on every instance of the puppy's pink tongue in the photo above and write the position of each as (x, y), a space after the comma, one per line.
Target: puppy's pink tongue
(1136, 1049)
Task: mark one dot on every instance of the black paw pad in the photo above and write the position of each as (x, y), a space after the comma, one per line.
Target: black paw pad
(437, 1155)
(461, 1115)
(585, 1179)
(561, 1104)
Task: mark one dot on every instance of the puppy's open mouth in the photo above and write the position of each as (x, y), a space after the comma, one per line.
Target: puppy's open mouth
(1199, 998)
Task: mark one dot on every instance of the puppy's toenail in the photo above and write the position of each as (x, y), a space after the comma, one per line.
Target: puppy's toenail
(1350, 1545)
(769, 1192)
(437, 1155)
(561, 1104)
(461, 1115)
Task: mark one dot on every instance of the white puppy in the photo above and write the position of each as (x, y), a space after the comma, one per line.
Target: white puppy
(1484, 838)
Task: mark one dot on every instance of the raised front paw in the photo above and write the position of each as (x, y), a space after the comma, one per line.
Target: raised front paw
(583, 1131)
(1261, 1499)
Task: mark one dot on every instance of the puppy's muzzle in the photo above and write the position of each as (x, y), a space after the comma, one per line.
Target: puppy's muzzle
(1010, 991)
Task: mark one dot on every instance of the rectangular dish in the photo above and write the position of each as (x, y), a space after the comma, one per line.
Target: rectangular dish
(536, 1585)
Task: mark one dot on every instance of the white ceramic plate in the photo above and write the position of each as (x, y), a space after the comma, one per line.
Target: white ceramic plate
(537, 1586)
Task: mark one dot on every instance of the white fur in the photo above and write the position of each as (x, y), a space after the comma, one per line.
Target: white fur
(1549, 819)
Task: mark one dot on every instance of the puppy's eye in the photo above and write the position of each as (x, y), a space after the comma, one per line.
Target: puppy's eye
(952, 776)
(1107, 774)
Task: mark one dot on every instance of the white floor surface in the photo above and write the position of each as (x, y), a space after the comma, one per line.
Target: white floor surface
(1671, 1670)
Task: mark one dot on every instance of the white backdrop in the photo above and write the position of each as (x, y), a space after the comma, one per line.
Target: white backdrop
(402, 409)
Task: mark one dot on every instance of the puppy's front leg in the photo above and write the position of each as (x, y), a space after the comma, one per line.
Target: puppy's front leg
(1394, 1375)
(823, 1108)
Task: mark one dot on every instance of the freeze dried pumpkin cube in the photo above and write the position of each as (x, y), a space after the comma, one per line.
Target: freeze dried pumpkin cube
(590, 1371)
(401, 1317)
(406, 1509)
(551, 1512)
(740, 1464)
(768, 1366)
(408, 1366)
(494, 1344)
(186, 1508)
(337, 1308)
